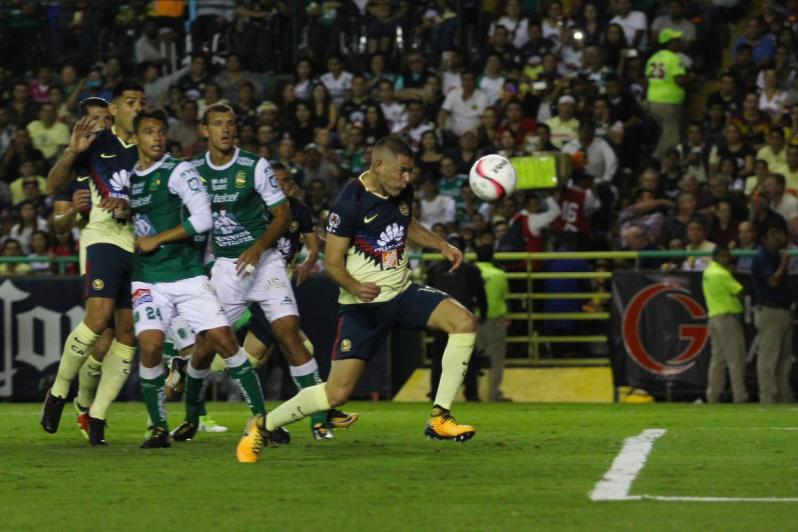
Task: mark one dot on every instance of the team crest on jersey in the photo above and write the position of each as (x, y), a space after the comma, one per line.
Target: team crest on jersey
(141, 296)
(334, 221)
(346, 345)
(154, 184)
(98, 284)
(404, 210)
(241, 179)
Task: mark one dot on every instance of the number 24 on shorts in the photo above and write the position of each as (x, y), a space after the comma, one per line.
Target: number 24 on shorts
(152, 313)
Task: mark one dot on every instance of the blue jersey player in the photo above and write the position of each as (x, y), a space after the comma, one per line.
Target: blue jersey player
(367, 230)
(103, 157)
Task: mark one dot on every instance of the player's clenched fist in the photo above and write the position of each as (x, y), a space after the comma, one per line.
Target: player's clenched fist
(367, 291)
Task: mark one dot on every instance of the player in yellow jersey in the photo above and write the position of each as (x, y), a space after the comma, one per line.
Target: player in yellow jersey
(106, 157)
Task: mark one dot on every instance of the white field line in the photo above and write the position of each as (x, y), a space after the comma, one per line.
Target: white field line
(617, 481)
(627, 465)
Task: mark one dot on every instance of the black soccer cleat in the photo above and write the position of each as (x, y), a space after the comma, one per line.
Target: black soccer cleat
(51, 412)
(159, 438)
(97, 431)
(279, 436)
(337, 419)
(186, 431)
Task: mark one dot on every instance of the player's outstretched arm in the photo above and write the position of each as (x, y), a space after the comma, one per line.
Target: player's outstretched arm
(420, 235)
(335, 264)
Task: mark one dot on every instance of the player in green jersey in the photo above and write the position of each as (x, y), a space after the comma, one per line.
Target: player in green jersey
(248, 269)
(171, 210)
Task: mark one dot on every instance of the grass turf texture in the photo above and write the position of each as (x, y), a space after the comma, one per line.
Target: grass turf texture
(529, 467)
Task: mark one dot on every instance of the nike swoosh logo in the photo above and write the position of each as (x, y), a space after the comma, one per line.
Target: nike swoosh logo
(106, 156)
(368, 219)
(81, 179)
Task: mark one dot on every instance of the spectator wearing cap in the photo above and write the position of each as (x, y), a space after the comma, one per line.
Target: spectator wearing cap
(564, 127)
(772, 315)
(667, 79)
(48, 135)
(722, 294)
(462, 108)
(597, 157)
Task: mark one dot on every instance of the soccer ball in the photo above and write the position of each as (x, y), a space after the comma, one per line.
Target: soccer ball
(492, 177)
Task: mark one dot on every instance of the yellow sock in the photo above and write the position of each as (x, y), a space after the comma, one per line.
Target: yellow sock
(76, 349)
(454, 366)
(218, 365)
(254, 362)
(88, 379)
(116, 368)
(308, 401)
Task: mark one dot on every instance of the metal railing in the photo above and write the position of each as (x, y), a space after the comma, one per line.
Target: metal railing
(62, 262)
(533, 339)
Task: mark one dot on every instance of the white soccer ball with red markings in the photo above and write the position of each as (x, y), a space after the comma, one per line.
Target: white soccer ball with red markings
(492, 177)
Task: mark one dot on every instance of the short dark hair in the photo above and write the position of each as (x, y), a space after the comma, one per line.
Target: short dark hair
(394, 144)
(484, 253)
(127, 85)
(779, 178)
(92, 101)
(279, 166)
(155, 114)
(216, 108)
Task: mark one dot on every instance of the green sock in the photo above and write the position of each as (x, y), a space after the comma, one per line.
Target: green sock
(305, 376)
(196, 386)
(244, 375)
(154, 394)
(88, 379)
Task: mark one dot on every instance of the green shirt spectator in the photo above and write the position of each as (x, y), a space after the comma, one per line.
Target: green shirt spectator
(496, 288)
(720, 291)
(662, 70)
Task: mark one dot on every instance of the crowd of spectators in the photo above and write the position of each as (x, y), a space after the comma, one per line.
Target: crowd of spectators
(610, 85)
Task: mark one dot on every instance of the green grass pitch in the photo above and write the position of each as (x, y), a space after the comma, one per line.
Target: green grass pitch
(530, 467)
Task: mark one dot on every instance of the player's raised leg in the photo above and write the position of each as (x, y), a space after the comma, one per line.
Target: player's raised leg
(344, 376)
(452, 318)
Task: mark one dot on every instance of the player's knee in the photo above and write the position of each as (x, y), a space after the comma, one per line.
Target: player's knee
(463, 322)
(337, 395)
(150, 350)
(223, 341)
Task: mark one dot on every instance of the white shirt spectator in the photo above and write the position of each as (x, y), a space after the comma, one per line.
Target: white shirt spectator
(464, 114)
(24, 234)
(602, 163)
(440, 209)
(414, 134)
(492, 87)
(537, 221)
(787, 207)
(145, 50)
(698, 264)
(774, 107)
(684, 25)
(337, 87)
(631, 23)
(396, 116)
(518, 30)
